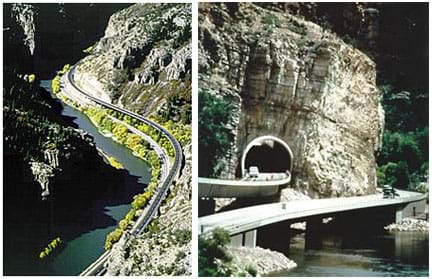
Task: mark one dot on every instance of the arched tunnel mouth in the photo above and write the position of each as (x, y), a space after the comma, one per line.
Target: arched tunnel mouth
(270, 155)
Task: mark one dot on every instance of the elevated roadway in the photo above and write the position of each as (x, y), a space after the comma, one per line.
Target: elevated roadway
(267, 185)
(249, 219)
(77, 94)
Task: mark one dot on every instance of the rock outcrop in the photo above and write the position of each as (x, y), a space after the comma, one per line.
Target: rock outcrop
(294, 80)
(143, 57)
(409, 225)
(265, 261)
(25, 15)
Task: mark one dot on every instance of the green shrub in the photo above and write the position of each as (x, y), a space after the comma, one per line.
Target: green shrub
(212, 249)
(116, 164)
(112, 238)
(31, 78)
(215, 139)
(50, 248)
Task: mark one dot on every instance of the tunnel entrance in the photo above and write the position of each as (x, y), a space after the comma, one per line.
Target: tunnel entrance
(269, 154)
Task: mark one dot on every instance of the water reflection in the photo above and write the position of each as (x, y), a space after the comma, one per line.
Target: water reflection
(385, 254)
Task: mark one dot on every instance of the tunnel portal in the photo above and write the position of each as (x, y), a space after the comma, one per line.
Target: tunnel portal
(269, 154)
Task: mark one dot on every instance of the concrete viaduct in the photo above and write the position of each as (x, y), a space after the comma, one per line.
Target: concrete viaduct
(244, 225)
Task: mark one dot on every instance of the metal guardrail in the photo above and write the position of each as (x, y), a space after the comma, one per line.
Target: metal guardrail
(97, 267)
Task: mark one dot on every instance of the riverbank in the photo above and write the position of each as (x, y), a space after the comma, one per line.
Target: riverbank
(409, 225)
(264, 261)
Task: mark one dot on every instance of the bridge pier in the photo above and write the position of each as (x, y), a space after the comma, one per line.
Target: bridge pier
(276, 237)
(314, 232)
(245, 239)
(410, 210)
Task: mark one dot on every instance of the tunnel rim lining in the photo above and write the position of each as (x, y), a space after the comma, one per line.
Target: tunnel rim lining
(260, 139)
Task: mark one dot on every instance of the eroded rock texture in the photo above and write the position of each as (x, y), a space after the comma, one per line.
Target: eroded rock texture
(144, 56)
(292, 79)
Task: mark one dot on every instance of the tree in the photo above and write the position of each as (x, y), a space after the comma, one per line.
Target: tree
(395, 175)
(211, 249)
(215, 138)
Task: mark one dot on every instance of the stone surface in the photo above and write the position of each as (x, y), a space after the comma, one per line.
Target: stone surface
(409, 225)
(294, 80)
(25, 15)
(265, 261)
(145, 52)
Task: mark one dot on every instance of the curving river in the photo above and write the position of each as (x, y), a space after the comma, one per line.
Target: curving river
(83, 229)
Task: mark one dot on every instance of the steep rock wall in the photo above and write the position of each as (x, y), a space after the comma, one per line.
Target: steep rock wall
(144, 56)
(294, 80)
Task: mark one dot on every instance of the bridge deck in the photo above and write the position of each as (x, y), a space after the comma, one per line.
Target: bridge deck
(220, 188)
(250, 218)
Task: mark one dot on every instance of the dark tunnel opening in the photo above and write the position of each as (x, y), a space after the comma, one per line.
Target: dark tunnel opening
(273, 157)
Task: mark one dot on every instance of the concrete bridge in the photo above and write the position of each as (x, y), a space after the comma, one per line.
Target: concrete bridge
(221, 188)
(274, 159)
(244, 225)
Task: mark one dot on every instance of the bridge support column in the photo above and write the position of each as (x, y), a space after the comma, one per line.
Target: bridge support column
(314, 230)
(275, 237)
(410, 210)
(250, 239)
(246, 239)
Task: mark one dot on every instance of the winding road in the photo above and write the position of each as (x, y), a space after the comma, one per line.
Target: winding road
(97, 267)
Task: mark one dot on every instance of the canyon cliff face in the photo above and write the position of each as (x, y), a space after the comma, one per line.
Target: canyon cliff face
(144, 56)
(294, 80)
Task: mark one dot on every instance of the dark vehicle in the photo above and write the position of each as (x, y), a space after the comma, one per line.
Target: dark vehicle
(389, 192)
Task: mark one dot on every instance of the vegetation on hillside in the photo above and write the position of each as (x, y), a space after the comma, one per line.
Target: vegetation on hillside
(214, 117)
(403, 161)
(116, 164)
(55, 83)
(214, 260)
(212, 251)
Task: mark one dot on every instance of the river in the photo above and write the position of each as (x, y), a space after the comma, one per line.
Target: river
(362, 255)
(83, 230)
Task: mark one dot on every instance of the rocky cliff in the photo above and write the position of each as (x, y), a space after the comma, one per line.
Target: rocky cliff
(292, 79)
(143, 58)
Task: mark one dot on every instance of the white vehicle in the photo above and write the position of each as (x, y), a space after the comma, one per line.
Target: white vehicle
(253, 172)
